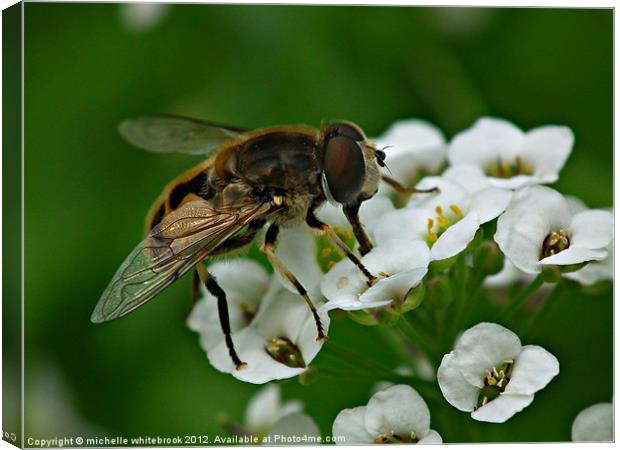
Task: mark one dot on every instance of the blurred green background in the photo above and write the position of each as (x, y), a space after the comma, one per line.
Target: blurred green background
(87, 191)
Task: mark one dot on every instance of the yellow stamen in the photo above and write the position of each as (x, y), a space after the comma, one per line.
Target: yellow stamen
(442, 222)
(457, 211)
(438, 210)
(430, 224)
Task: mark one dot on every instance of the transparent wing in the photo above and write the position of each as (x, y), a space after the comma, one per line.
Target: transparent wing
(183, 238)
(166, 134)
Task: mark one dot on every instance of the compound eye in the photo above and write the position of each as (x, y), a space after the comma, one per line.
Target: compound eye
(344, 169)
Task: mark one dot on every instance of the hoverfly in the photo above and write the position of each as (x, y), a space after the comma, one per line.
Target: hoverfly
(272, 177)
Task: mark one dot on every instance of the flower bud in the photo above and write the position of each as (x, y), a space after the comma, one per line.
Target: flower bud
(363, 317)
(488, 258)
(387, 316)
(572, 267)
(476, 241)
(413, 299)
(284, 351)
(442, 265)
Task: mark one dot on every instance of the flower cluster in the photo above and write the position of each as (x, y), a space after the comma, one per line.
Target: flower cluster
(491, 222)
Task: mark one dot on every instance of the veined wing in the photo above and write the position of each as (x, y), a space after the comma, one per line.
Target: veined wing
(183, 238)
(165, 134)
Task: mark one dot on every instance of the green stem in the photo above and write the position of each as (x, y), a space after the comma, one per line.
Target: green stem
(516, 302)
(357, 360)
(543, 310)
(429, 348)
(472, 301)
(460, 280)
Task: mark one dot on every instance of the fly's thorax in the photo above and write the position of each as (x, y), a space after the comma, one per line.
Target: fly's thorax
(280, 160)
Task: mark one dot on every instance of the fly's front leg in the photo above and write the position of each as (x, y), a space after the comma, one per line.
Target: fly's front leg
(324, 228)
(271, 236)
(352, 214)
(405, 190)
(222, 309)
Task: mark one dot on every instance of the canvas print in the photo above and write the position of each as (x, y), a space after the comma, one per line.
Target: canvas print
(306, 225)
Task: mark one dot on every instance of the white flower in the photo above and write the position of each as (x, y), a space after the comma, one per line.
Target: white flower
(447, 221)
(594, 424)
(394, 415)
(411, 146)
(491, 375)
(138, 17)
(508, 156)
(267, 415)
(594, 271)
(399, 265)
(243, 299)
(297, 249)
(371, 211)
(538, 229)
(278, 342)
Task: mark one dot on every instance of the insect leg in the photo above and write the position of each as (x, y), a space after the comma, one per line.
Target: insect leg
(316, 224)
(222, 309)
(352, 214)
(271, 236)
(404, 190)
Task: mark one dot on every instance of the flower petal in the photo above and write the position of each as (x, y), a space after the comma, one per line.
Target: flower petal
(471, 177)
(502, 408)
(594, 424)
(490, 203)
(400, 409)
(261, 367)
(351, 426)
(533, 370)
(294, 425)
(519, 181)
(575, 255)
(297, 249)
(263, 409)
(483, 347)
(595, 271)
(547, 148)
(450, 193)
(531, 215)
(342, 284)
(431, 438)
(455, 388)
(592, 228)
(404, 223)
(397, 255)
(487, 140)
(395, 287)
(456, 238)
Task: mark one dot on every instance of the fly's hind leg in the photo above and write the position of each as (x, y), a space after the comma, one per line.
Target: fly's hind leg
(222, 309)
(271, 236)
